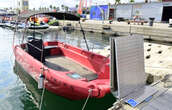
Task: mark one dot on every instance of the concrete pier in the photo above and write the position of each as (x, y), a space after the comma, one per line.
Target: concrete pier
(160, 101)
(159, 31)
(157, 58)
(158, 66)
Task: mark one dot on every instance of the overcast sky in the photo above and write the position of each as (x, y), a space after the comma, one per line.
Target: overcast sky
(47, 3)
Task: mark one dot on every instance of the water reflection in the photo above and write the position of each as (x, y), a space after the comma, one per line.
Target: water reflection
(13, 93)
(52, 101)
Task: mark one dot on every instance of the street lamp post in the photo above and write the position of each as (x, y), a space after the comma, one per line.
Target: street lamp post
(102, 13)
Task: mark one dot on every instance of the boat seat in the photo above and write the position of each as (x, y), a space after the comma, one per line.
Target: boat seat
(34, 48)
(47, 50)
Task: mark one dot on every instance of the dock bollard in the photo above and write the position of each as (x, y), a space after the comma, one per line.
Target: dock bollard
(151, 20)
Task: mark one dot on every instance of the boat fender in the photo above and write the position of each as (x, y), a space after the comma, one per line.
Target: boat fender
(90, 91)
(41, 81)
(102, 92)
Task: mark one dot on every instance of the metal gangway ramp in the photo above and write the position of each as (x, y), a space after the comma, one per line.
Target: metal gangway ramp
(128, 78)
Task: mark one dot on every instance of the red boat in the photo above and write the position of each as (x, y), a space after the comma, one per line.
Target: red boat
(68, 71)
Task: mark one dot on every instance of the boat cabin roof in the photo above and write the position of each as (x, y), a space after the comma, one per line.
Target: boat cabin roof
(59, 15)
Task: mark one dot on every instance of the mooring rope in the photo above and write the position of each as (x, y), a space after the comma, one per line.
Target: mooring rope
(89, 94)
(118, 104)
(43, 92)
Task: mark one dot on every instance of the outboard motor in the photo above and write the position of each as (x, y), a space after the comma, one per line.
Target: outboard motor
(34, 48)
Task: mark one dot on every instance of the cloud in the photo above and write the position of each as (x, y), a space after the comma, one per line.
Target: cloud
(7, 3)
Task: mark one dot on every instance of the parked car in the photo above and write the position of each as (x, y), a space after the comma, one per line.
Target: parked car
(120, 19)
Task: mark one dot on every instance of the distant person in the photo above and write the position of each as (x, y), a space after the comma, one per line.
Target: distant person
(135, 18)
(41, 23)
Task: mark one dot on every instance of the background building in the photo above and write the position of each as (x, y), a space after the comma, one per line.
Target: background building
(161, 11)
(23, 5)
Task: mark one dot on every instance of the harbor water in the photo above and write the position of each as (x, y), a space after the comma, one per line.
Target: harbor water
(18, 91)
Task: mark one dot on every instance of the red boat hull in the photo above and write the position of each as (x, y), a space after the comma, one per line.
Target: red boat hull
(59, 82)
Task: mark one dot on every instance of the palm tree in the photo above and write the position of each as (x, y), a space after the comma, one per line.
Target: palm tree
(117, 2)
(62, 6)
(146, 1)
(66, 8)
(57, 8)
(51, 7)
(76, 6)
(131, 1)
(54, 7)
(39, 8)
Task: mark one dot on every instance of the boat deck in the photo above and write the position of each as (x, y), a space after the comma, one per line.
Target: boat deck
(61, 63)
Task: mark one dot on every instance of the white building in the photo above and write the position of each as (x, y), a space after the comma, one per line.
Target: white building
(23, 5)
(161, 11)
